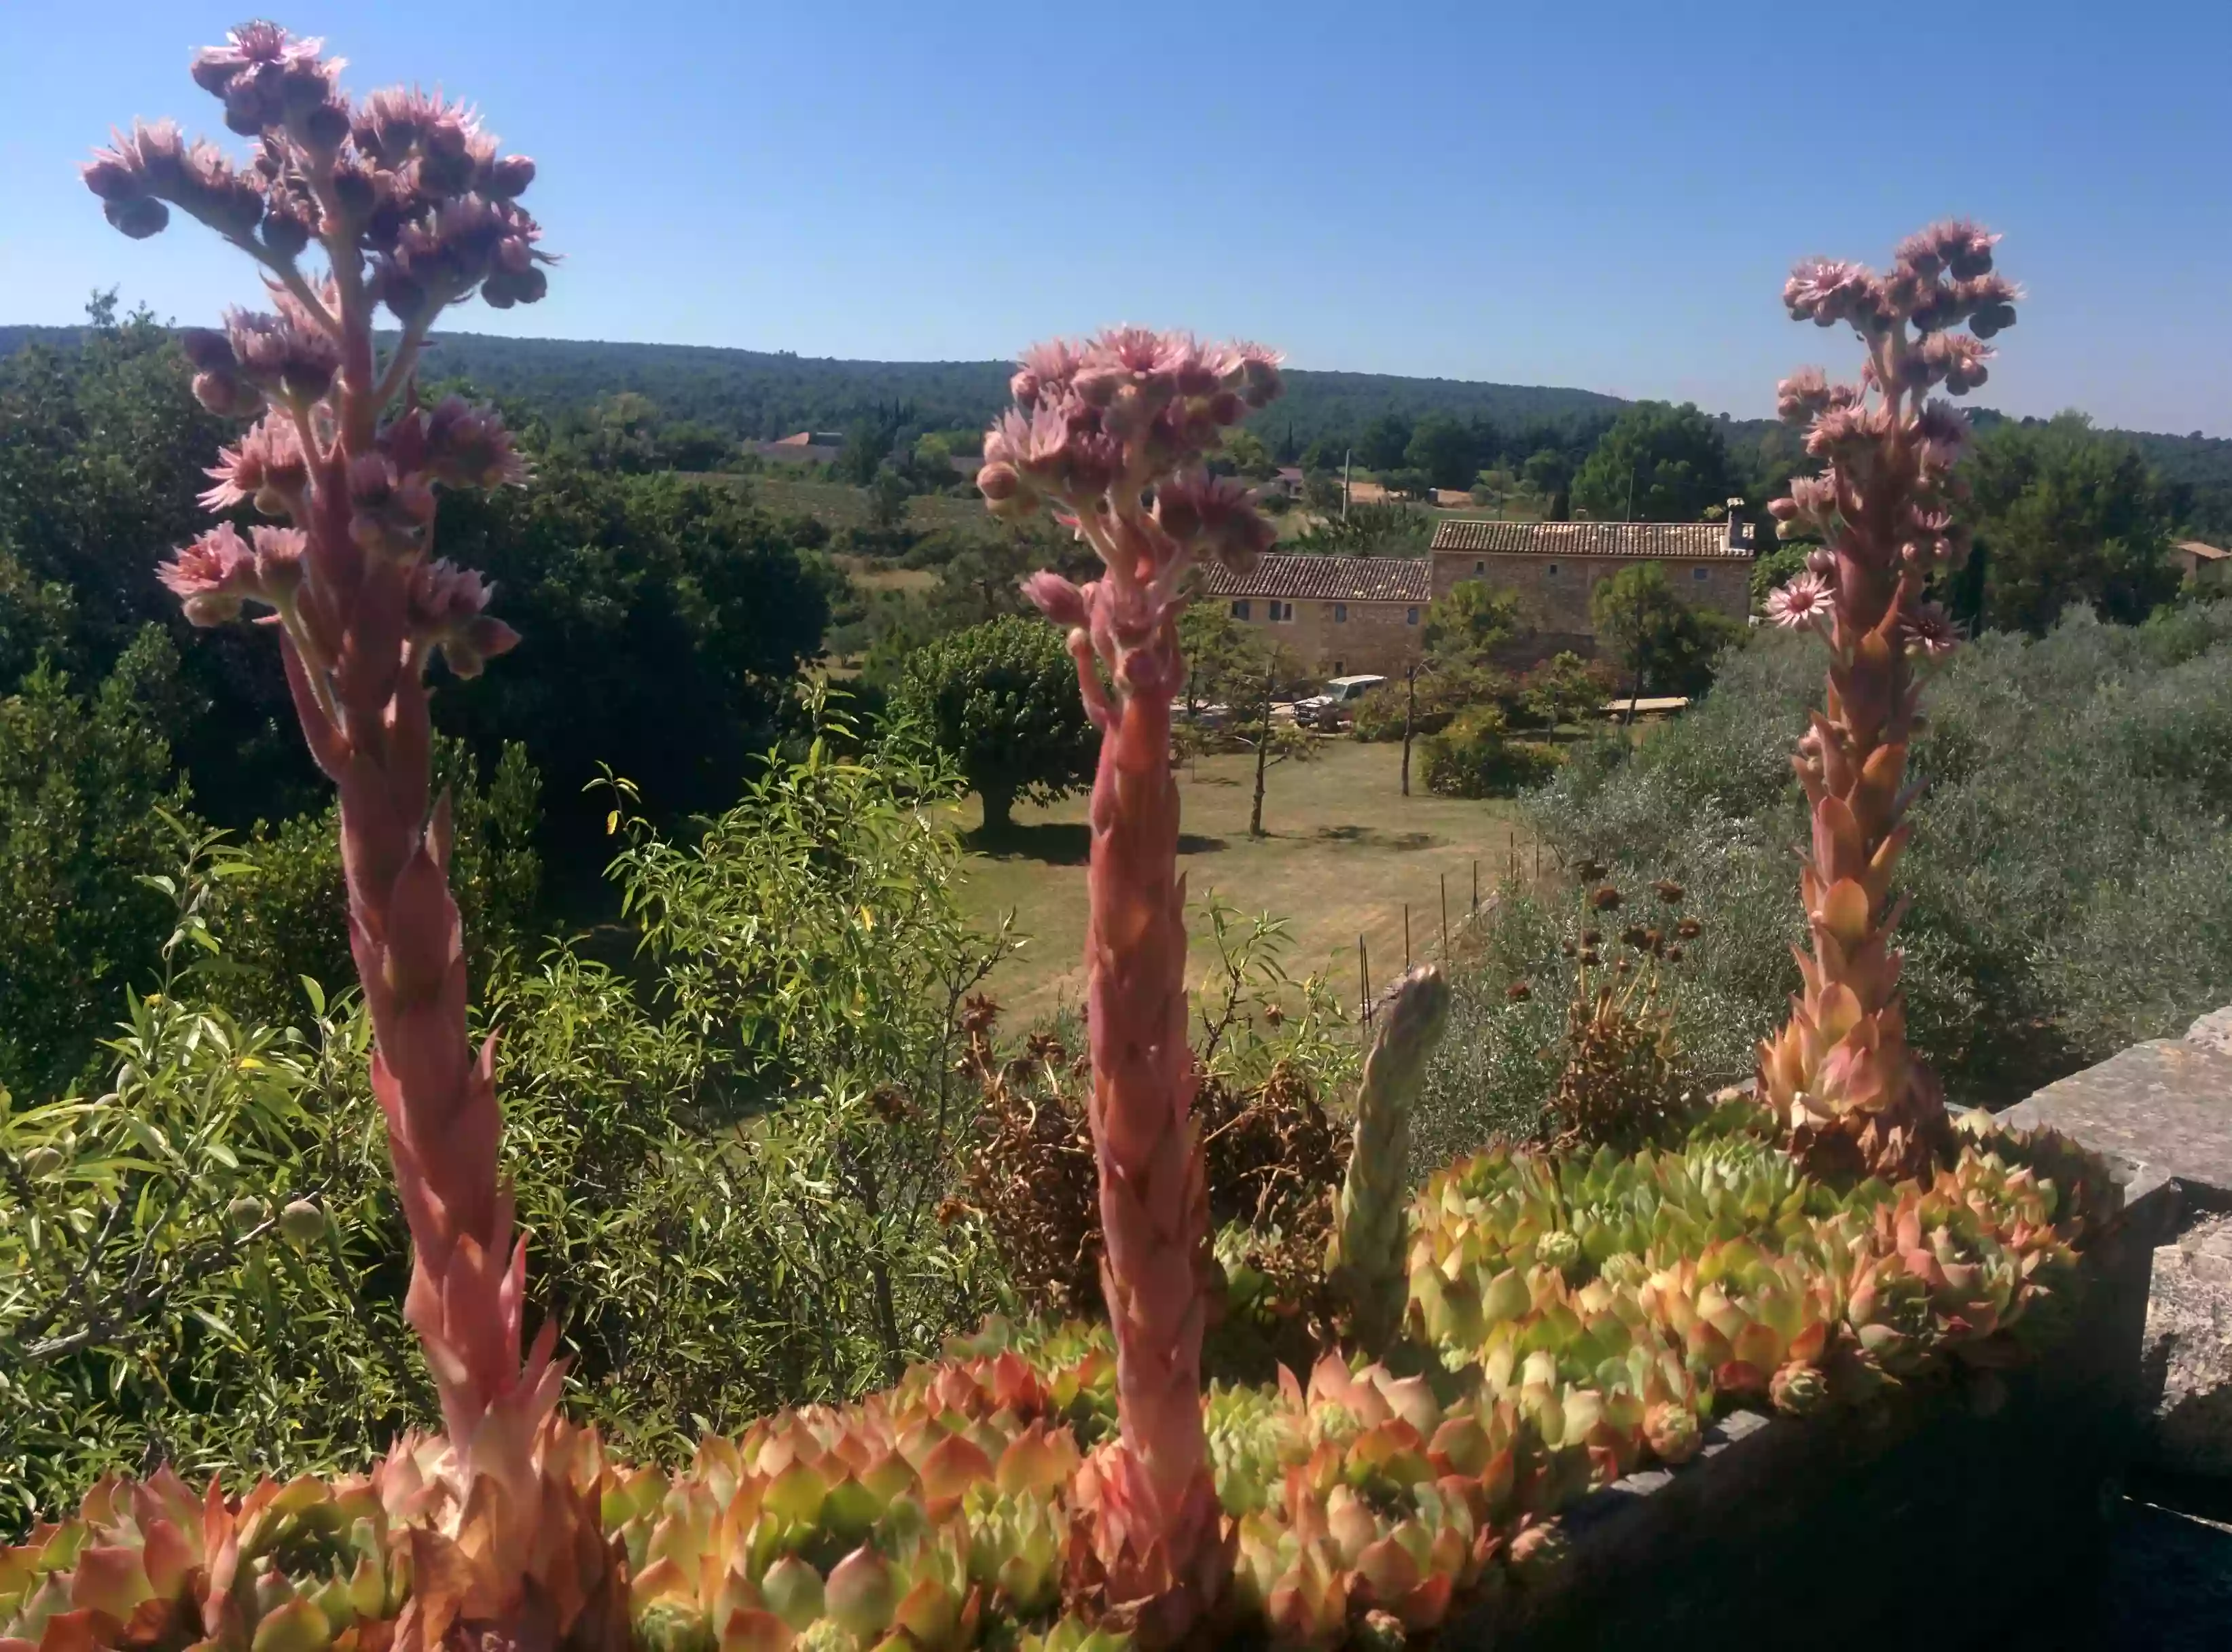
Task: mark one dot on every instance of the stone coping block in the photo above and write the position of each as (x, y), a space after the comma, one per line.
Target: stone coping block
(2161, 1110)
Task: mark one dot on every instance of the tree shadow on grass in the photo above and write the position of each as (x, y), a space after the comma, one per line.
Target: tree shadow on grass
(1059, 843)
(1372, 836)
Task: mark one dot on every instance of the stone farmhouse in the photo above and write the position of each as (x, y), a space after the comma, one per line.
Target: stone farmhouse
(1341, 615)
(1344, 615)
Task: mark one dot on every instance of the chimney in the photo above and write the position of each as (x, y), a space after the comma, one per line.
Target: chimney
(1739, 530)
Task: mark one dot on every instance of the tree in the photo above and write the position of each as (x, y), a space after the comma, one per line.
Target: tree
(1467, 622)
(1385, 443)
(2068, 517)
(887, 500)
(1657, 463)
(1002, 700)
(1246, 453)
(1549, 472)
(1267, 665)
(1445, 450)
(1658, 640)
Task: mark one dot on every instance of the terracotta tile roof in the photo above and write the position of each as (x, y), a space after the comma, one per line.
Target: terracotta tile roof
(2201, 548)
(1328, 579)
(1683, 539)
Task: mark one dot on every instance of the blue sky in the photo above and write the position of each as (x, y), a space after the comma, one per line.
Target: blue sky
(1600, 194)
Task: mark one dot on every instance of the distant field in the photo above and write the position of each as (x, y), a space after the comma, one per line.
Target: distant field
(876, 576)
(1345, 852)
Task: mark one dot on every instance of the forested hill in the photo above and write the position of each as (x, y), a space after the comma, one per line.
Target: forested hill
(753, 393)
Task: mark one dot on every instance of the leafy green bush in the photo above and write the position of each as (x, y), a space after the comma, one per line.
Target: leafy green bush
(1475, 756)
(730, 1160)
(1001, 699)
(2066, 871)
(283, 914)
(81, 781)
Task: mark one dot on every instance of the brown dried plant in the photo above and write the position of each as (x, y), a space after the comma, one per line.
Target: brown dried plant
(1625, 1084)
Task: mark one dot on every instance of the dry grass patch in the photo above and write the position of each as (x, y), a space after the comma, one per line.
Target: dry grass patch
(1344, 853)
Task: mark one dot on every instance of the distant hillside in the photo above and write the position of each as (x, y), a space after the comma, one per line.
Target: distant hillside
(753, 393)
(750, 393)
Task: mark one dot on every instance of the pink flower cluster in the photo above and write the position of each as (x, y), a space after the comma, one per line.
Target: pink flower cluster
(410, 181)
(1115, 435)
(410, 206)
(1887, 496)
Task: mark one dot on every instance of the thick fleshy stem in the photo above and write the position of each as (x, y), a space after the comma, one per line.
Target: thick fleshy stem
(412, 207)
(1368, 1259)
(1853, 1095)
(1113, 436)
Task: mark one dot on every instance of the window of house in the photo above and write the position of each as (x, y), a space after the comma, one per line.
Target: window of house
(1551, 571)
(1480, 568)
(1281, 612)
(1240, 609)
(1700, 574)
(1340, 613)
(1409, 616)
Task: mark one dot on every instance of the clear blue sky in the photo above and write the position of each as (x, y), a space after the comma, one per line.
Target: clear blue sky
(1603, 194)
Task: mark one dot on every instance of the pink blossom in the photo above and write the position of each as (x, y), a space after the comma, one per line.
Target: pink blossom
(278, 558)
(211, 576)
(1802, 395)
(1045, 370)
(1802, 605)
(1929, 630)
(469, 447)
(446, 605)
(1826, 291)
(268, 459)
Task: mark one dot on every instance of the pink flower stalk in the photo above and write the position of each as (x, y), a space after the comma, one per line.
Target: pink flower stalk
(1855, 1097)
(1113, 436)
(410, 206)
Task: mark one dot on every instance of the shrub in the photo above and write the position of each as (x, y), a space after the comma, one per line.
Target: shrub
(83, 783)
(2074, 804)
(1001, 699)
(1474, 756)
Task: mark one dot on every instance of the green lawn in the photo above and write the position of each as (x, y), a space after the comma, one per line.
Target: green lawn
(1344, 853)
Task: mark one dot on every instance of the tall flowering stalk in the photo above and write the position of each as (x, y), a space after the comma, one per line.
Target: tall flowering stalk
(1854, 1096)
(1113, 436)
(412, 210)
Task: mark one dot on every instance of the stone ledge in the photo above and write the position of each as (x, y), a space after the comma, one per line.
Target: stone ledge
(2159, 1112)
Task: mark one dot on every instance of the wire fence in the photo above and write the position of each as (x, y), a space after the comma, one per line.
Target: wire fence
(1448, 938)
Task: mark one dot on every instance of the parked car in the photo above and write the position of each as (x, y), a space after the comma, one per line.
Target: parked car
(1207, 716)
(1335, 705)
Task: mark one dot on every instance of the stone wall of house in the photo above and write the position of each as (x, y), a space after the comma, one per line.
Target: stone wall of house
(1345, 638)
(1554, 591)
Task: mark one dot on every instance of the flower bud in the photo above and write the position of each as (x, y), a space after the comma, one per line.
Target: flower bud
(138, 218)
(1056, 597)
(225, 395)
(41, 1163)
(109, 177)
(244, 1213)
(509, 177)
(998, 482)
(284, 231)
(302, 1223)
